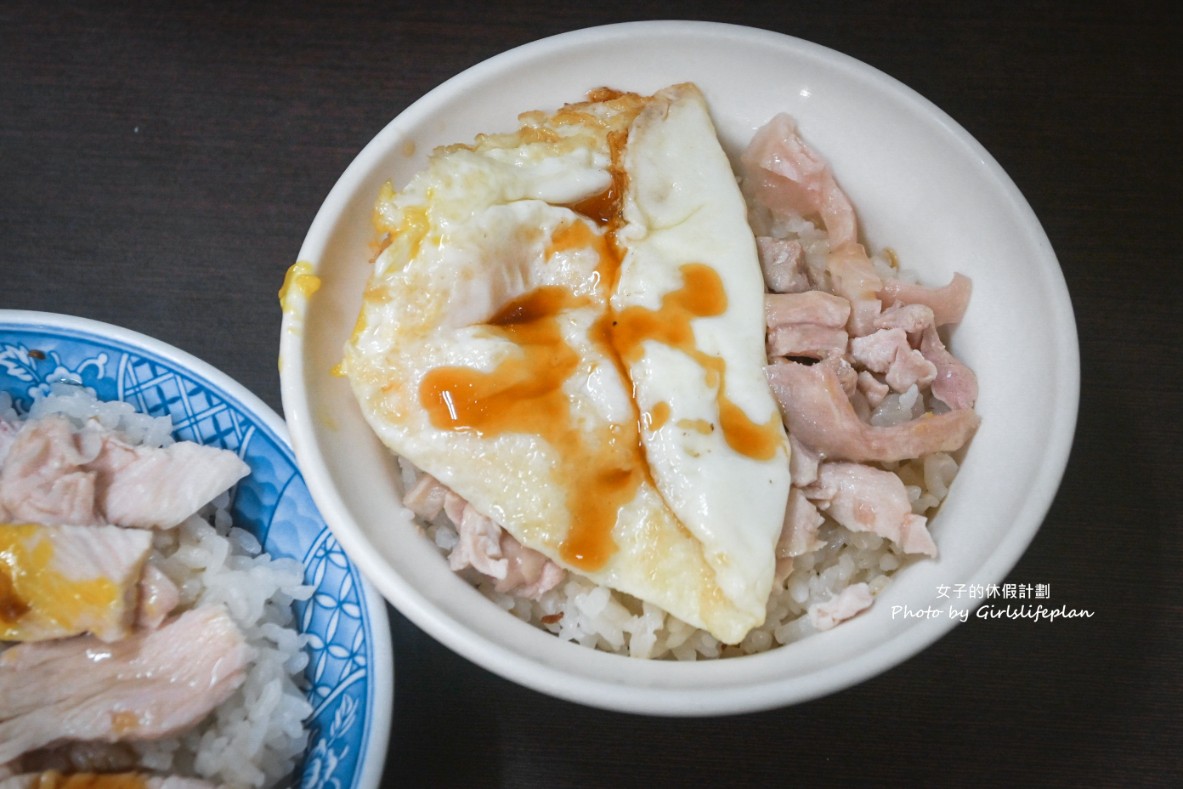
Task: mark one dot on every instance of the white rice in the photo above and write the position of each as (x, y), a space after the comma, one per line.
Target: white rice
(257, 737)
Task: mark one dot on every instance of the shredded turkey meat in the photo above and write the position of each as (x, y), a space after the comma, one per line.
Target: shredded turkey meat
(819, 412)
(863, 498)
(783, 264)
(857, 364)
(783, 173)
(482, 543)
(948, 303)
(852, 600)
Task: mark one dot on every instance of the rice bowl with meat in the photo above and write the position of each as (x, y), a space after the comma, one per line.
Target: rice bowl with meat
(596, 203)
(904, 164)
(201, 578)
(243, 593)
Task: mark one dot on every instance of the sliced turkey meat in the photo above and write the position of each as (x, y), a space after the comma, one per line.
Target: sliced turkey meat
(153, 684)
(56, 474)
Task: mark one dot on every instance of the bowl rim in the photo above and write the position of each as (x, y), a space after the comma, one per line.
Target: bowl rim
(536, 671)
(373, 761)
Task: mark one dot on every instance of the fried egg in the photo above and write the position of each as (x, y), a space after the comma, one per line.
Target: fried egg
(565, 327)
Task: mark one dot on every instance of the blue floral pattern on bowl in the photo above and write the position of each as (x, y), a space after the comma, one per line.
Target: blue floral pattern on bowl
(349, 673)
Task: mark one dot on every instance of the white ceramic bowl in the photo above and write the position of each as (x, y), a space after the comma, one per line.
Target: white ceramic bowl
(920, 184)
(350, 674)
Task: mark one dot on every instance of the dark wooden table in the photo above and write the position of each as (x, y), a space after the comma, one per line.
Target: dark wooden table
(160, 162)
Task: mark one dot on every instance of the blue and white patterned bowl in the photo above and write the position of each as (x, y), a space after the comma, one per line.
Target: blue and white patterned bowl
(351, 671)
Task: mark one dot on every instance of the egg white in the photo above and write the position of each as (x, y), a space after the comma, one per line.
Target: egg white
(683, 206)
